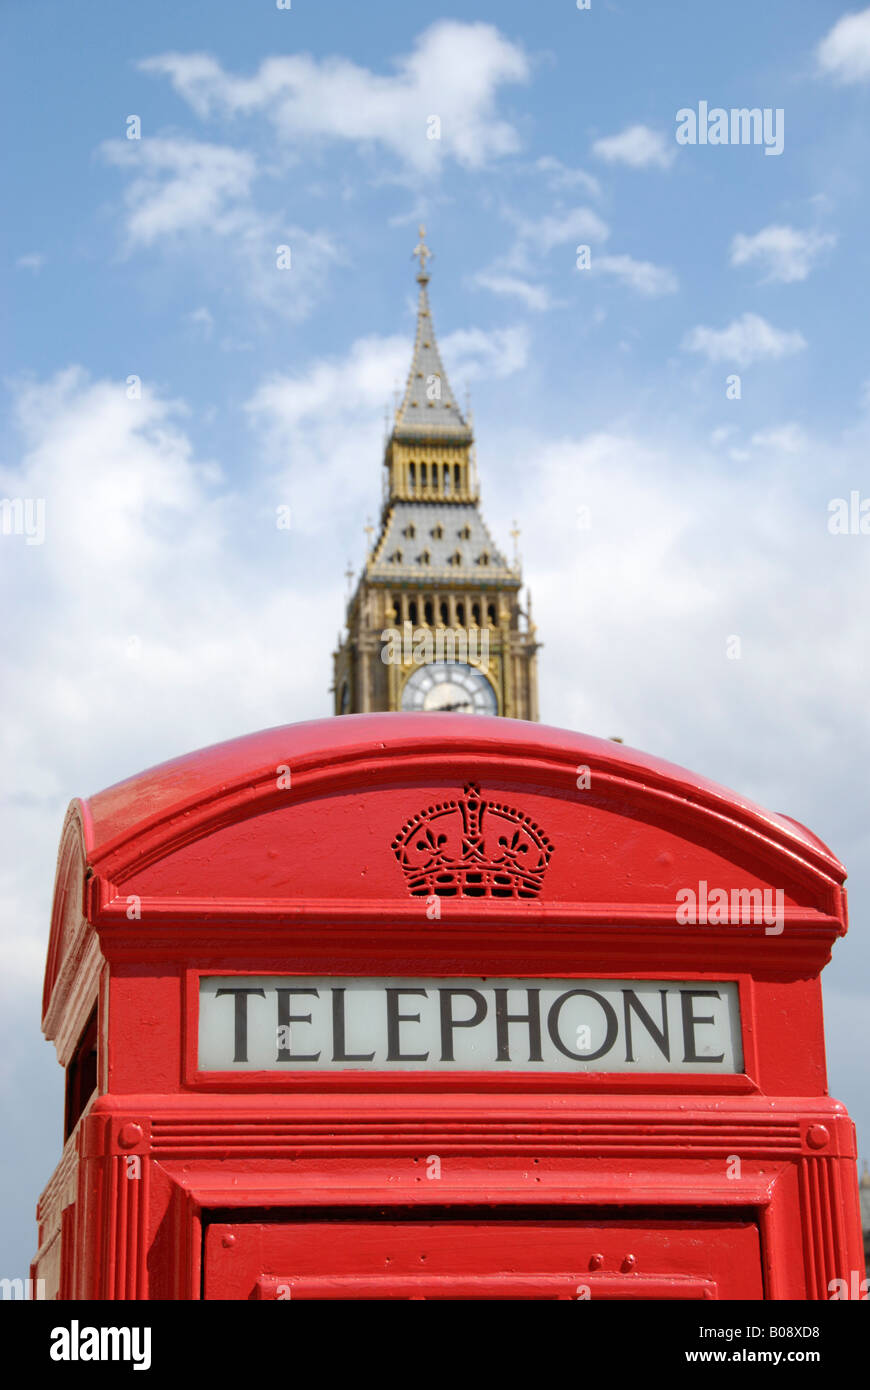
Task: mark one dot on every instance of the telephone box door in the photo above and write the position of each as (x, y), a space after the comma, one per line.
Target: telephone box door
(390, 1255)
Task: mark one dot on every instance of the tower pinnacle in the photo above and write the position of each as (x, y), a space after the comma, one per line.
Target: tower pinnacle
(422, 251)
(428, 408)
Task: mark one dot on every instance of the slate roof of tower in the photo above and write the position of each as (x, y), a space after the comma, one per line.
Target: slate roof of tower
(451, 518)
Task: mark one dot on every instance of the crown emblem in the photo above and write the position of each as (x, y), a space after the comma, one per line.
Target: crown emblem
(470, 847)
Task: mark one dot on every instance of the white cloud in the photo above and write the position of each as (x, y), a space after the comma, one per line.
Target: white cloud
(312, 430)
(343, 390)
(34, 260)
(786, 253)
(642, 276)
(454, 72)
(108, 467)
(187, 195)
(745, 340)
(637, 146)
(295, 289)
(534, 297)
(783, 439)
(559, 176)
(844, 52)
(475, 353)
(180, 185)
(201, 319)
(514, 272)
(721, 433)
(560, 229)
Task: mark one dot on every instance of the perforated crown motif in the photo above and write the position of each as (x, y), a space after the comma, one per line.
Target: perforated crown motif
(471, 847)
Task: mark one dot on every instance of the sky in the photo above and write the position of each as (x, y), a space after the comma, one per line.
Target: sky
(665, 346)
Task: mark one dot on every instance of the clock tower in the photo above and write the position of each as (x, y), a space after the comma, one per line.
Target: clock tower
(435, 621)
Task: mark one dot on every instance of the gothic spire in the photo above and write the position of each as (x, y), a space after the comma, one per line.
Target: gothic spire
(429, 407)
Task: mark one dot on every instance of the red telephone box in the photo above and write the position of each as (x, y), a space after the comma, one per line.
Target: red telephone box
(434, 1006)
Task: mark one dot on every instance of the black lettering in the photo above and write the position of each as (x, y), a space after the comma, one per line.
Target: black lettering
(285, 1018)
(690, 1019)
(394, 1018)
(503, 1019)
(338, 1052)
(448, 1022)
(609, 1014)
(241, 1018)
(658, 1035)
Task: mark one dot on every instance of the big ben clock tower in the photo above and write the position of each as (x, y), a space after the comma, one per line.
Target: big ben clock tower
(435, 621)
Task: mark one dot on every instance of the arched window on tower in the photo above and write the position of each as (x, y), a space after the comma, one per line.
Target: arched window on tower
(457, 477)
(428, 612)
(423, 476)
(445, 614)
(460, 614)
(446, 483)
(412, 610)
(412, 476)
(490, 614)
(475, 614)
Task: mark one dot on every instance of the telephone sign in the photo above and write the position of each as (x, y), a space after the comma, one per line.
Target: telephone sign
(265, 1023)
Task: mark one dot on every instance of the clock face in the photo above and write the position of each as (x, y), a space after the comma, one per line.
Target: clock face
(449, 686)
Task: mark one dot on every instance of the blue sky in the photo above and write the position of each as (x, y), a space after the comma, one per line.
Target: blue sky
(165, 611)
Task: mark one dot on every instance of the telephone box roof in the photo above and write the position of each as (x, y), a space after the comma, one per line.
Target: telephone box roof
(160, 793)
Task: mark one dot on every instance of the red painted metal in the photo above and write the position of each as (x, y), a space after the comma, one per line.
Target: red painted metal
(276, 855)
(523, 1256)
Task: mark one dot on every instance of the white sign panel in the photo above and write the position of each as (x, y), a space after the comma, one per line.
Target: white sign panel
(289, 1023)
